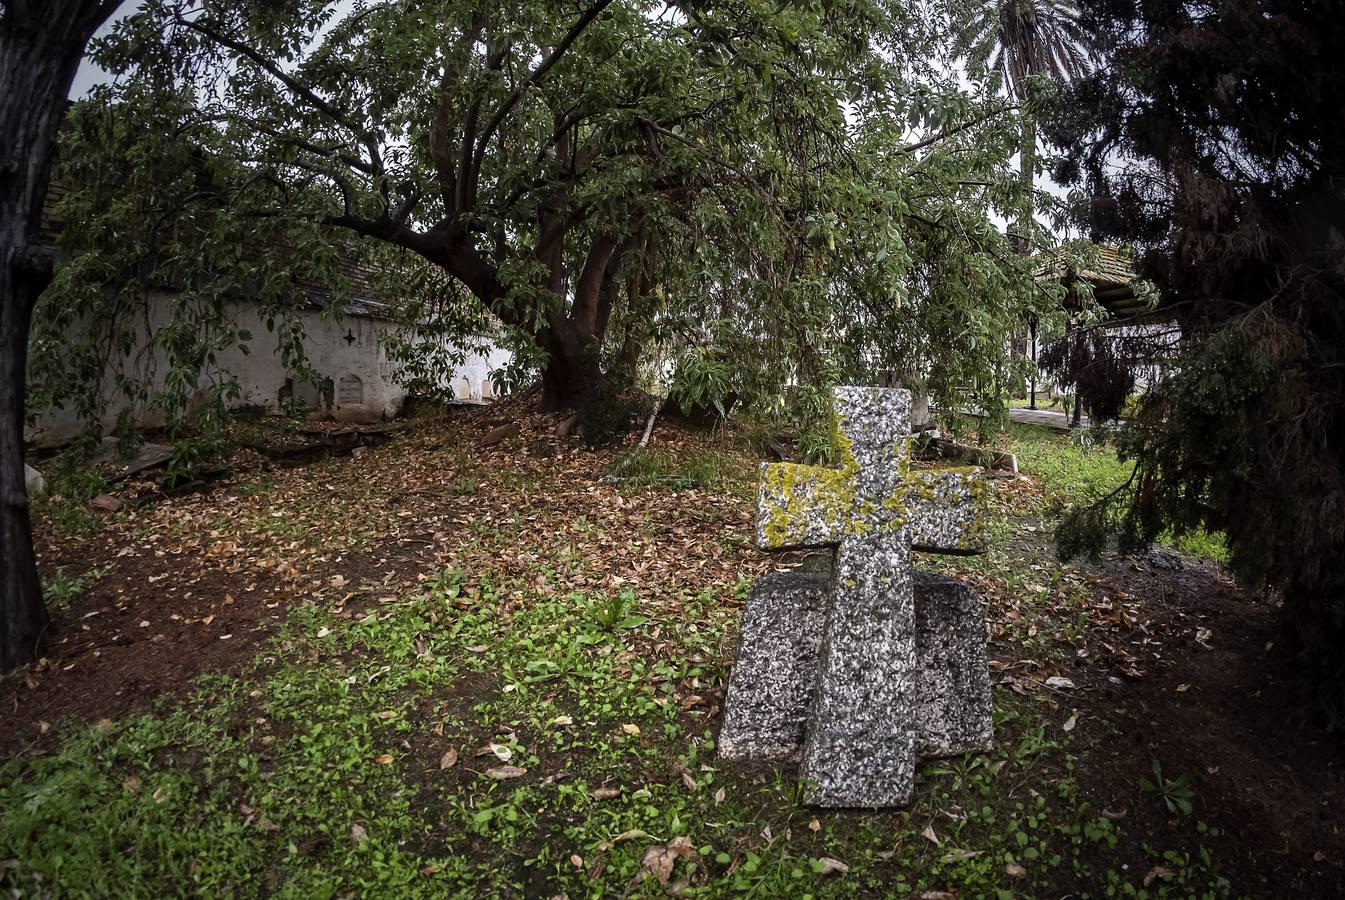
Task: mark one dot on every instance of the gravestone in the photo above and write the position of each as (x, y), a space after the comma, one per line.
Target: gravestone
(885, 667)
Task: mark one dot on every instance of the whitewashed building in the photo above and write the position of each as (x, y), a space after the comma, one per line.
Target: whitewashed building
(355, 380)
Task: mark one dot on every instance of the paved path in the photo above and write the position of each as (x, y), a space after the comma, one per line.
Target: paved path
(1049, 418)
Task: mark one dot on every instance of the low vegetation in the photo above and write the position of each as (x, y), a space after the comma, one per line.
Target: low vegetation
(539, 728)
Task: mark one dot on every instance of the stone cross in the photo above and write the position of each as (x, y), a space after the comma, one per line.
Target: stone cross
(865, 723)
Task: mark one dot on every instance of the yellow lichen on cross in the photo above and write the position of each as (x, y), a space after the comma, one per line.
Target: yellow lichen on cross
(872, 489)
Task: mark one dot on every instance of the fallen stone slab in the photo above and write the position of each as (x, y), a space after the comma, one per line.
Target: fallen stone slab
(774, 678)
(775, 673)
(119, 467)
(33, 481)
(943, 448)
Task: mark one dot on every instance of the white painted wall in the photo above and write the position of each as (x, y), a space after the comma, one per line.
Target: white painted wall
(349, 351)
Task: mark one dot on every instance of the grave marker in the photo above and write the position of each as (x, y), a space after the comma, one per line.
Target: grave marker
(877, 699)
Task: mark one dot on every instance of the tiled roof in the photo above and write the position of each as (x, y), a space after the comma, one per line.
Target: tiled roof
(1112, 273)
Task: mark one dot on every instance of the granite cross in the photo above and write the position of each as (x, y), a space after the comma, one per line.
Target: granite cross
(860, 745)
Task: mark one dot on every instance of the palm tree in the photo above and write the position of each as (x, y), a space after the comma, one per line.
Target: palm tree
(1020, 39)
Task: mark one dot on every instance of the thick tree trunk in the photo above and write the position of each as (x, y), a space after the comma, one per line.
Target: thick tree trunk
(40, 48)
(573, 375)
(23, 615)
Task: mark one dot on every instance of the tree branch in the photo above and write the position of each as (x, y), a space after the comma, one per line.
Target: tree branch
(535, 76)
(297, 87)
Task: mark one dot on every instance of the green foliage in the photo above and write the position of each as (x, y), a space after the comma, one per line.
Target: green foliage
(832, 222)
(642, 467)
(703, 381)
(71, 484)
(1177, 794)
(1242, 435)
(61, 590)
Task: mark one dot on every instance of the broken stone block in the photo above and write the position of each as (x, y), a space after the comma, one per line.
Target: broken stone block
(33, 481)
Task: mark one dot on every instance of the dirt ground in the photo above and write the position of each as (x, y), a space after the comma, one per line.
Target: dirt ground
(1189, 674)
(1216, 702)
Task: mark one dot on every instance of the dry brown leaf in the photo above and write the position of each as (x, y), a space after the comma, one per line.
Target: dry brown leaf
(631, 729)
(831, 866)
(383, 759)
(930, 834)
(449, 759)
(659, 860)
(1156, 873)
(623, 836)
(500, 773)
(606, 793)
(358, 834)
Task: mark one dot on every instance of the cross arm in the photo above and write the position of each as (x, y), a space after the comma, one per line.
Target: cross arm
(801, 506)
(947, 510)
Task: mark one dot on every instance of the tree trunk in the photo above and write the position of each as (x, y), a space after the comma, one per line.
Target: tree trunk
(1027, 164)
(41, 45)
(1032, 334)
(573, 374)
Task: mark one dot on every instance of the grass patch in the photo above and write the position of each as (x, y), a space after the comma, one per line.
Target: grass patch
(1076, 469)
(484, 739)
(644, 467)
(1069, 468)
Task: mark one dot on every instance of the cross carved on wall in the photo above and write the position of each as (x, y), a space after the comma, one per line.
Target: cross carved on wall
(350, 336)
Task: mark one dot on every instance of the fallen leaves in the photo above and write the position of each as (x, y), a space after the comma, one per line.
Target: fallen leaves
(449, 759)
(828, 866)
(659, 860)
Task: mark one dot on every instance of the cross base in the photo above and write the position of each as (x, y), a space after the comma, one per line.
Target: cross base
(943, 702)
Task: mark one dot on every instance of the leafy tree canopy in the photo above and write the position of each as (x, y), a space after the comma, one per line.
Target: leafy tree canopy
(802, 189)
